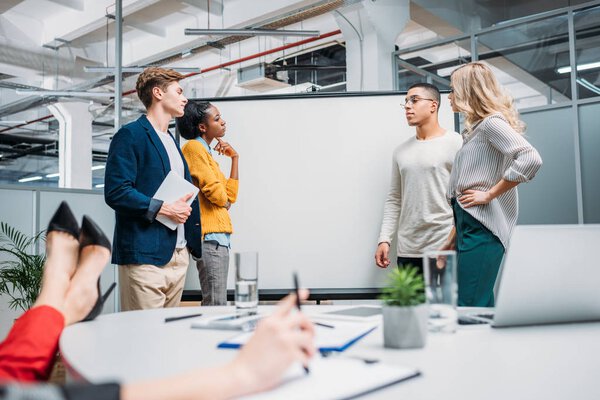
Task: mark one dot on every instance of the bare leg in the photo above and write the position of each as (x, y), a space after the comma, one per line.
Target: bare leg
(62, 254)
(83, 291)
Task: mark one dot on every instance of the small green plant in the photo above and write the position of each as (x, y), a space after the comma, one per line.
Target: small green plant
(21, 273)
(406, 288)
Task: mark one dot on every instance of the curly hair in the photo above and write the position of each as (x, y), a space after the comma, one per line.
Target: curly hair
(154, 77)
(194, 114)
(477, 94)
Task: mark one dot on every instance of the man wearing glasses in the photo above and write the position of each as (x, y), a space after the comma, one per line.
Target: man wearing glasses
(416, 208)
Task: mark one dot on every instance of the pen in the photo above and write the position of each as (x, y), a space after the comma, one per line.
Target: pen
(296, 289)
(170, 319)
(323, 325)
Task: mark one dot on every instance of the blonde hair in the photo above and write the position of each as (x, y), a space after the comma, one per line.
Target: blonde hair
(477, 94)
(153, 77)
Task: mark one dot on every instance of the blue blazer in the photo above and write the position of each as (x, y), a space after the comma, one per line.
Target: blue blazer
(136, 166)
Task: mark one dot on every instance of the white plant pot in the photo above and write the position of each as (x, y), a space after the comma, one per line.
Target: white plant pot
(405, 327)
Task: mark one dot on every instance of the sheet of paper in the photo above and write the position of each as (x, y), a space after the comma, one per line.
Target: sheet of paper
(171, 189)
(336, 378)
(341, 336)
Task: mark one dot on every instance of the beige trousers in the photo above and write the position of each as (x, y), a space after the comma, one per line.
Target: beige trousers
(145, 286)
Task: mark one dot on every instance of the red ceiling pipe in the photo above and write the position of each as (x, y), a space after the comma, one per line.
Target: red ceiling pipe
(25, 123)
(223, 65)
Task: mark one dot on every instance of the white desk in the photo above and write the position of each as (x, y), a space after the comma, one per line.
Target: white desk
(478, 362)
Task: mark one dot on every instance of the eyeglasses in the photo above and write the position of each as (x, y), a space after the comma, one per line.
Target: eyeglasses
(413, 99)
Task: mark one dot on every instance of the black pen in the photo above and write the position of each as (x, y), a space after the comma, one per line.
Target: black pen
(296, 289)
(324, 325)
(170, 319)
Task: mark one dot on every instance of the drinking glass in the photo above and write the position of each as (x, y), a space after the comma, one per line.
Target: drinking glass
(441, 289)
(246, 282)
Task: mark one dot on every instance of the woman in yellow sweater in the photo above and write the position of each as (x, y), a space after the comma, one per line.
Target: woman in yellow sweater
(202, 125)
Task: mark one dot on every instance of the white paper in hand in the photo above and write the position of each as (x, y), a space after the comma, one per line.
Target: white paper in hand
(172, 189)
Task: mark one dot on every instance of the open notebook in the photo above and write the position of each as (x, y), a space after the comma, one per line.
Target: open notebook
(337, 337)
(336, 378)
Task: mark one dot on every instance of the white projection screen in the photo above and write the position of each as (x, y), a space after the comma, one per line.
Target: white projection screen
(314, 174)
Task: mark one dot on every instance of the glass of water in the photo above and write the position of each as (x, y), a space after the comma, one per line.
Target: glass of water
(246, 282)
(439, 269)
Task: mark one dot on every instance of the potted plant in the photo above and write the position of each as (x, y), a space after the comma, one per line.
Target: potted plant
(20, 272)
(405, 311)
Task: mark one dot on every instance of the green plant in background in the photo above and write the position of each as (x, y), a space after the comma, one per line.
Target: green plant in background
(21, 274)
(406, 288)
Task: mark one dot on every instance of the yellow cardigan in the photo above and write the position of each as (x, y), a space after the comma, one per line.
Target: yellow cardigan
(215, 189)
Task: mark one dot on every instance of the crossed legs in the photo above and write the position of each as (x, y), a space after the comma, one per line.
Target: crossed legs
(67, 295)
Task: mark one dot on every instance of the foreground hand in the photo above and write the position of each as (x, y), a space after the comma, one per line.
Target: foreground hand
(178, 211)
(279, 340)
(471, 198)
(225, 148)
(382, 255)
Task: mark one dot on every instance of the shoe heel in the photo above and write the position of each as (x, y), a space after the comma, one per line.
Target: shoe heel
(63, 220)
(108, 292)
(91, 234)
(97, 309)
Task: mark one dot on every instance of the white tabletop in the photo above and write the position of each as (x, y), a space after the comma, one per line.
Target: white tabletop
(477, 362)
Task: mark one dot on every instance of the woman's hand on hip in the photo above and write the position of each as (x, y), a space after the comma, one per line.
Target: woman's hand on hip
(471, 198)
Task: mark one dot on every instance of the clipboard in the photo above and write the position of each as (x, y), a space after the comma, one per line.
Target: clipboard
(336, 378)
(171, 189)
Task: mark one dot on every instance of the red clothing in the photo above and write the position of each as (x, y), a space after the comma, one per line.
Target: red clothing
(28, 352)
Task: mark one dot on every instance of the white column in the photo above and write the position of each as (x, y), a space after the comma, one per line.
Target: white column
(74, 144)
(370, 29)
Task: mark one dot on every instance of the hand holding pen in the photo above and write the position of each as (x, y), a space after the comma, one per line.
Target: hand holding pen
(279, 340)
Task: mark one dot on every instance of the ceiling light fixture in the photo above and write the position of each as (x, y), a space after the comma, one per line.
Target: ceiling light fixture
(100, 185)
(97, 167)
(250, 32)
(588, 85)
(31, 178)
(111, 70)
(53, 175)
(63, 93)
(580, 67)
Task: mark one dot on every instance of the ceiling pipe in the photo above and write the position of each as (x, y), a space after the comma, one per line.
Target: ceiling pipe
(209, 69)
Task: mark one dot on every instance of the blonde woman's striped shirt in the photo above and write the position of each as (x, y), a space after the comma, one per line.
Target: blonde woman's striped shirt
(492, 151)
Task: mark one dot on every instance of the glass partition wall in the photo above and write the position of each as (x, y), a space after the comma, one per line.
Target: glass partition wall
(550, 63)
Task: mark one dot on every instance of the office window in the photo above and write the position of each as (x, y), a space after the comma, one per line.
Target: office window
(528, 58)
(587, 51)
(432, 64)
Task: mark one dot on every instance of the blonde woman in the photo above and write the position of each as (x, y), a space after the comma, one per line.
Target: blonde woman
(494, 159)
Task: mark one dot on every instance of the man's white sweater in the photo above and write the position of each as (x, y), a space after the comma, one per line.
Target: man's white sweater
(416, 205)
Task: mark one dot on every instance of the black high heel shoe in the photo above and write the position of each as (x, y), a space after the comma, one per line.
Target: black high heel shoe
(63, 220)
(91, 234)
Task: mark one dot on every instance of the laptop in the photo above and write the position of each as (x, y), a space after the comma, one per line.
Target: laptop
(550, 274)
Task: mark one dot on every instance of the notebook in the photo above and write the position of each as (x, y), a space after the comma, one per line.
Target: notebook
(338, 337)
(171, 189)
(336, 378)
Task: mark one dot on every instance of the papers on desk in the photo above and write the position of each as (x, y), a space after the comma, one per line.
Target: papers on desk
(339, 338)
(171, 189)
(243, 322)
(336, 378)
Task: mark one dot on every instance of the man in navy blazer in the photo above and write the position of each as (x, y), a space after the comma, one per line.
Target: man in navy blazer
(152, 258)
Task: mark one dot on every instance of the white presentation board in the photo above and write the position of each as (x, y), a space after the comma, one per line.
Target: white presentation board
(314, 175)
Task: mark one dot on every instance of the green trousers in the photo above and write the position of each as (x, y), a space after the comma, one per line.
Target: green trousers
(479, 254)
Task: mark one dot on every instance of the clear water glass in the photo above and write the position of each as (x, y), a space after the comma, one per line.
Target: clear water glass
(439, 269)
(246, 282)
